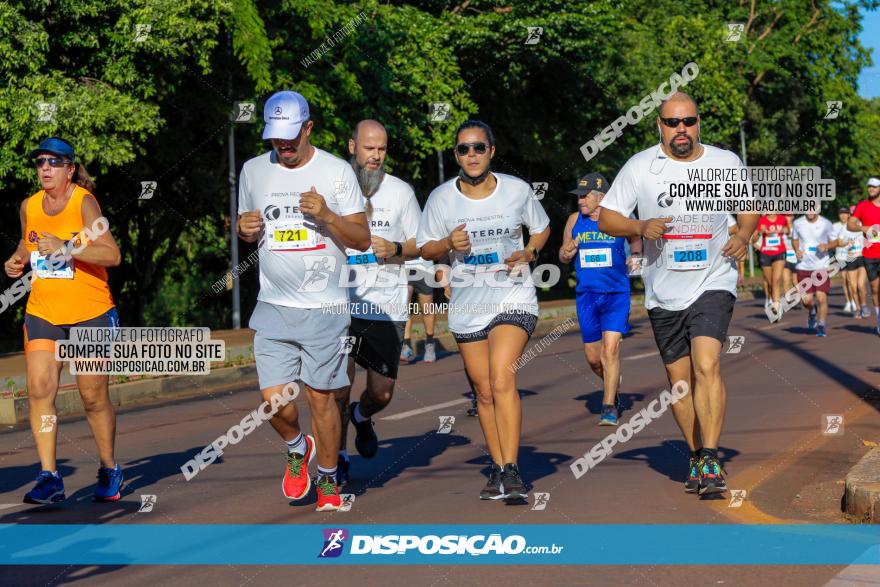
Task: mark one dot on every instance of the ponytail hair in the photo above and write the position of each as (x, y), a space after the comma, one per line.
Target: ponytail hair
(82, 178)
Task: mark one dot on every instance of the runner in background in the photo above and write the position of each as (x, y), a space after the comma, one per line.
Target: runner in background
(379, 300)
(603, 288)
(866, 218)
(853, 268)
(813, 240)
(417, 270)
(771, 229)
(479, 219)
(69, 290)
(840, 255)
(790, 270)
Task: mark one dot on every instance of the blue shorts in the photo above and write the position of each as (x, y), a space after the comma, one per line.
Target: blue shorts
(602, 312)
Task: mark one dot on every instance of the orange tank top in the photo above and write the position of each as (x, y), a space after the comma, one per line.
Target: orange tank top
(63, 299)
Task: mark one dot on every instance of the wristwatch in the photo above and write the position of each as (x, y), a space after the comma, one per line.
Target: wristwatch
(398, 249)
(534, 252)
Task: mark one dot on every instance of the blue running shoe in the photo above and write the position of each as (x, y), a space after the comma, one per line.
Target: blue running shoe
(49, 489)
(820, 330)
(811, 319)
(109, 484)
(608, 416)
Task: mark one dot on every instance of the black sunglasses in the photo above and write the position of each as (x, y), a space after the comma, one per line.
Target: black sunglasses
(465, 148)
(53, 161)
(673, 122)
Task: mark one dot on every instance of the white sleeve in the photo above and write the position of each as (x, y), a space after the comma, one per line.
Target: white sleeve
(432, 226)
(795, 235)
(623, 197)
(534, 217)
(244, 192)
(348, 193)
(409, 219)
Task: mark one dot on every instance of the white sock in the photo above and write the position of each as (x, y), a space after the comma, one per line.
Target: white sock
(356, 414)
(297, 445)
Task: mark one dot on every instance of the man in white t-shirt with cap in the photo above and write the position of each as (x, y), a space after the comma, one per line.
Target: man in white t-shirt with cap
(690, 274)
(305, 208)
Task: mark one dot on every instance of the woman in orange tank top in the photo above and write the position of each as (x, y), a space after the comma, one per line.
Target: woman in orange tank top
(66, 241)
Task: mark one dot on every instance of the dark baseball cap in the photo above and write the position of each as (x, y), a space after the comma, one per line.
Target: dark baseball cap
(55, 146)
(590, 182)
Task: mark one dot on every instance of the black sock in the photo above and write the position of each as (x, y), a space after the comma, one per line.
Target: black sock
(710, 452)
(695, 454)
(405, 342)
(429, 339)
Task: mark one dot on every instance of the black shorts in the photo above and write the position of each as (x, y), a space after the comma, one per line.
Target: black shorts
(873, 267)
(419, 283)
(768, 260)
(854, 264)
(524, 320)
(708, 316)
(791, 266)
(40, 335)
(377, 345)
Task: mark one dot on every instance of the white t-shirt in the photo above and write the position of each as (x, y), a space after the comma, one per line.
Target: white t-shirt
(420, 264)
(851, 244)
(809, 235)
(300, 263)
(495, 227)
(395, 218)
(687, 261)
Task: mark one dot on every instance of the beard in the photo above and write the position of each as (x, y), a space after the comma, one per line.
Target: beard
(368, 180)
(874, 197)
(681, 150)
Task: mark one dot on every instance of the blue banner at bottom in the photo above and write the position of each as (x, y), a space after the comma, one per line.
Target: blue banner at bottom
(382, 544)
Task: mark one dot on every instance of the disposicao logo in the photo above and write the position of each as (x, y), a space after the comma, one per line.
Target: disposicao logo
(334, 542)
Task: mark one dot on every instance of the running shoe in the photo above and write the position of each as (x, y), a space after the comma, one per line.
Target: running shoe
(365, 440)
(866, 312)
(848, 307)
(48, 489)
(878, 330)
(692, 485)
(512, 484)
(430, 353)
(609, 416)
(109, 484)
(472, 411)
(406, 354)
(820, 330)
(296, 482)
(342, 467)
(811, 319)
(328, 495)
(711, 476)
(493, 488)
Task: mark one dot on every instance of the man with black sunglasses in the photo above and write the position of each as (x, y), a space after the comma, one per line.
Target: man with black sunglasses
(690, 276)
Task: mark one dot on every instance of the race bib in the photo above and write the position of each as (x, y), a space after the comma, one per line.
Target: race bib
(790, 256)
(356, 257)
(592, 258)
(687, 255)
(42, 267)
(483, 258)
(291, 235)
(813, 249)
(772, 241)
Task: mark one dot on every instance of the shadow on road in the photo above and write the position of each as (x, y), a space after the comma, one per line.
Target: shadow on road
(533, 464)
(15, 478)
(670, 458)
(594, 401)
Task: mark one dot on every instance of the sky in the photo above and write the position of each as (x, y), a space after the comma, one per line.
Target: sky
(869, 80)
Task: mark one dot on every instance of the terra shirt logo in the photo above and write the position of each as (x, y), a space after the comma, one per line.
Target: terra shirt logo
(334, 542)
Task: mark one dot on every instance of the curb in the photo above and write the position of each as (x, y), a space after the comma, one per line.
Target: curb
(164, 389)
(862, 496)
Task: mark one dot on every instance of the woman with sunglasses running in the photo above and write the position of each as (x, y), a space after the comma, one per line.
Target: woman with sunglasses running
(67, 243)
(477, 219)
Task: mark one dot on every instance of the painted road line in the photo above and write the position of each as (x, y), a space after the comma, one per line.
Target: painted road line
(426, 409)
(641, 356)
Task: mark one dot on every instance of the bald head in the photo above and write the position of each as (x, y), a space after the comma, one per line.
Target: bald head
(369, 126)
(678, 98)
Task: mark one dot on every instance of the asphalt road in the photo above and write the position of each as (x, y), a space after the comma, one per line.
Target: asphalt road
(781, 385)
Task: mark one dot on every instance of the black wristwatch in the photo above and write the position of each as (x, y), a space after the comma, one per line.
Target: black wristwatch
(398, 249)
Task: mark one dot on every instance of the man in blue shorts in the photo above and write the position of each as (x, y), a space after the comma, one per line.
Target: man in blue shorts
(603, 289)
